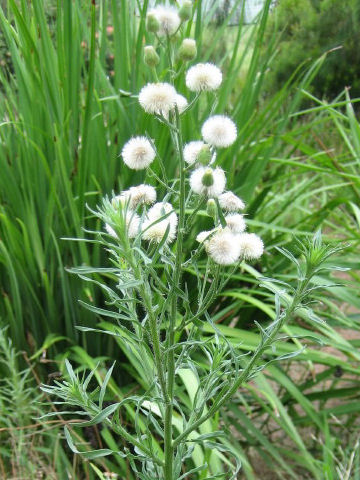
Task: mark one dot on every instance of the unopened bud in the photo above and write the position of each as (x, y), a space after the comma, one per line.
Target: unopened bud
(187, 50)
(211, 208)
(204, 156)
(151, 58)
(208, 179)
(152, 23)
(185, 11)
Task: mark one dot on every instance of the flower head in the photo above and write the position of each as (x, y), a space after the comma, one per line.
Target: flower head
(208, 181)
(138, 153)
(132, 224)
(223, 247)
(185, 11)
(192, 150)
(236, 223)
(187, 50)
(203, 77)
(151, 58)
(139, 195)
(180, 102)
(219, 131)
(158, 98)
(203, 236)
(168, 18)
(154, 227)
(152, 23)
(251, 246)
(231, 202)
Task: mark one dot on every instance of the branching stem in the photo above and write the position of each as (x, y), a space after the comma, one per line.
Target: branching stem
(246, 373)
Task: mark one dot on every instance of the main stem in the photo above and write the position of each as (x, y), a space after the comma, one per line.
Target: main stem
(168, 443)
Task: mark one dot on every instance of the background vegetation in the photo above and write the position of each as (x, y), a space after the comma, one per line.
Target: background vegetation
(69, 71)
(309, 28)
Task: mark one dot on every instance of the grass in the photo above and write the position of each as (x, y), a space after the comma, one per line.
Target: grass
(27, 443)
(68, 108)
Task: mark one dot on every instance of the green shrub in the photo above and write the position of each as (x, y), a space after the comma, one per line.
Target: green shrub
(308, 29)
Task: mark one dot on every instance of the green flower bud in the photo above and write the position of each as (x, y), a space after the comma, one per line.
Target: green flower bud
(185, 11)
(211, 208)
(152, 23)
(187, 50)
(207, 179)
(204, 156)
(151, 58)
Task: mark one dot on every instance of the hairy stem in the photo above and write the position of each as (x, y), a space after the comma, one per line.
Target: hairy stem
(154, 334)
(168, 444)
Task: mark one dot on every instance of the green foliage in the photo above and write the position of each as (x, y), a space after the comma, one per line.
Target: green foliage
(299, 171)
(210, 370)
(26, 444)
(307, 30)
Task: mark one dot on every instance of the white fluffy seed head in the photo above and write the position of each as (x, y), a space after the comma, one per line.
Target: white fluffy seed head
(138, 153)
(192, 150)
(132, 223)
(139, 195)
(202, 236)
(203, 77)
(168, 18)
(223, 247)
(160, 209)
(251, 246)
(235, 222)
(181, 102)
(110, 230)
(230, 202)
(219, 131)
(154, 228)
(158, 98)
(218, 181)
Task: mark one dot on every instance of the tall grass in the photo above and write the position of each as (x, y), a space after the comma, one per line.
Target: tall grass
(29, 447)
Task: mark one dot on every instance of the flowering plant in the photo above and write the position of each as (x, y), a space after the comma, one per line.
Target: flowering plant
(157, 318)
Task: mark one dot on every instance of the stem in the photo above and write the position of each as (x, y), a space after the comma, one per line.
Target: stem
(168, 445)
(152, 323)
(156, 342)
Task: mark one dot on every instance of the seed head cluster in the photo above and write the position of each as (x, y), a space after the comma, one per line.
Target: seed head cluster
(168, 19)
(158, 98)
(134, 210)
(138, 153)
(203, 77)
(207, 181)
(230, 202)
(161, 222)
(219, 131)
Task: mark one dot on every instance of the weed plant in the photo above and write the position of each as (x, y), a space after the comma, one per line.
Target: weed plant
(68, 108)
(159, 320)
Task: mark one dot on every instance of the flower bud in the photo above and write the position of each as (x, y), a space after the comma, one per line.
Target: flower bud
(151, 58)
(152, 23)
(204, 156)
(187, 50)
(207, 179)
(211, 208)
(185, 11)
